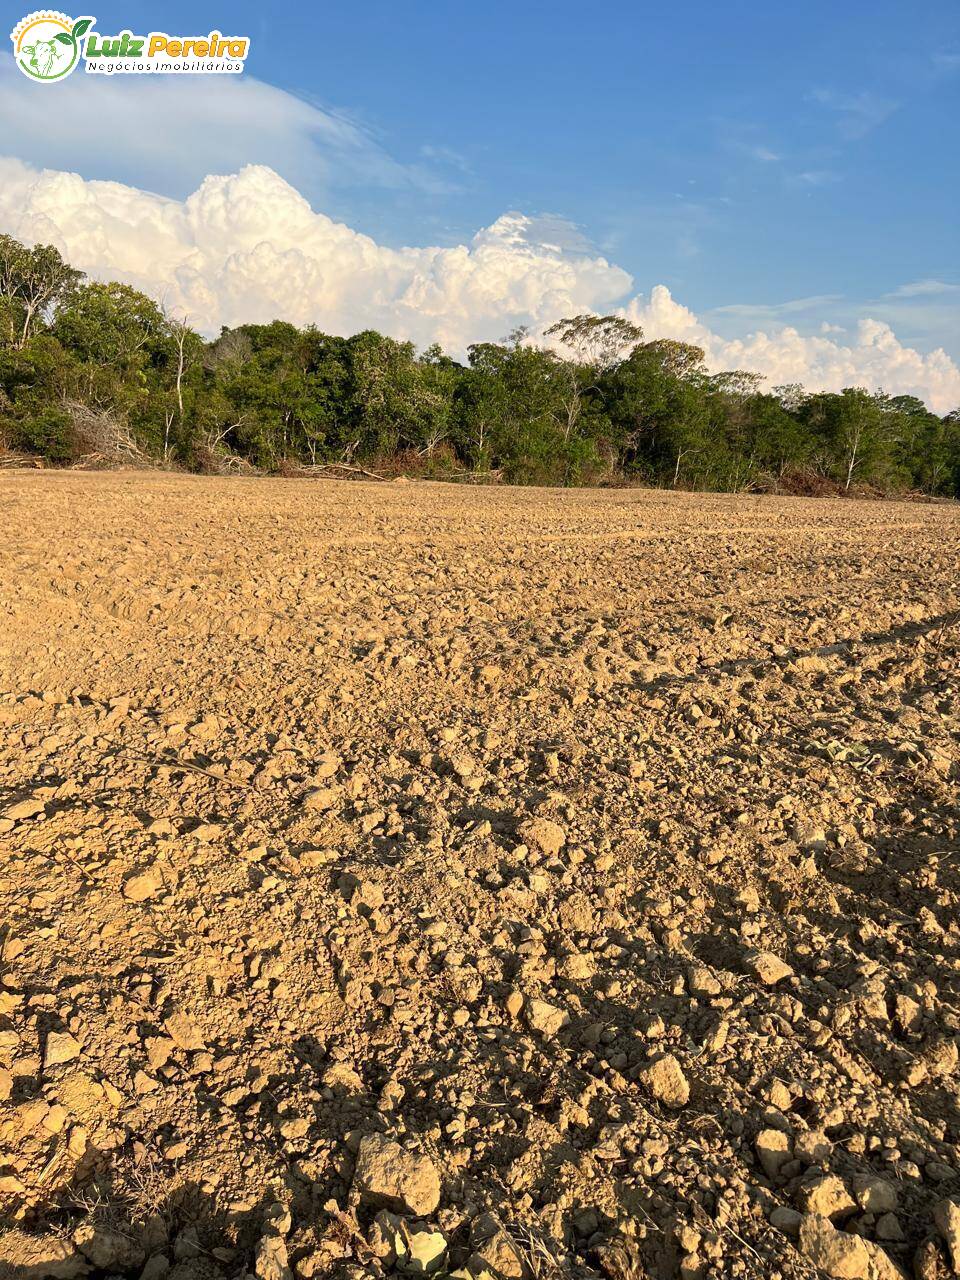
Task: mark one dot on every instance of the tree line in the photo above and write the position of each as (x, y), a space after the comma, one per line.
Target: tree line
(99, 372)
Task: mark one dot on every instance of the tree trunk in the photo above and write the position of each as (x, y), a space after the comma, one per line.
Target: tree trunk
(180, 344)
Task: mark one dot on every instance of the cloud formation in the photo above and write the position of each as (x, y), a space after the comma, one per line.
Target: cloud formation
(154, 139)
(874, 358)
(924, 289)
(248, 247)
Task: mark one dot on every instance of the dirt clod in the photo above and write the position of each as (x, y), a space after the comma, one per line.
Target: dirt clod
(664, 1078)
(386, 1174)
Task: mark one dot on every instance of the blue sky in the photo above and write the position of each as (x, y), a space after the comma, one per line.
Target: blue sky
(652, 127)
(769, 164)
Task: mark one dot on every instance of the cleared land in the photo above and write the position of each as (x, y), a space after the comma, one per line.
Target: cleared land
(599, 849)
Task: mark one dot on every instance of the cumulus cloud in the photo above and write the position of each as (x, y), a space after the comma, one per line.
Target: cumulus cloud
(875, 358)
(248, 247)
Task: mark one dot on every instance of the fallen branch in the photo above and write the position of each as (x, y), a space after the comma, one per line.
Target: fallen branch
(16, 461)
(100, 435)
(471, 476)
(339, 466)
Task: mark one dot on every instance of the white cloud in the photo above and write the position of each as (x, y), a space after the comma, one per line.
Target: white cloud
(766, 310)
(923, 289)
(166, 133)
(875, 358)
(248, 247)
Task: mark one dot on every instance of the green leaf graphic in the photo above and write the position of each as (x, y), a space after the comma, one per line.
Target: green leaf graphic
(81, 27)
(63, 37)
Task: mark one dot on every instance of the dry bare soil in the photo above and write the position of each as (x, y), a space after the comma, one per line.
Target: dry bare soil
(512, 882)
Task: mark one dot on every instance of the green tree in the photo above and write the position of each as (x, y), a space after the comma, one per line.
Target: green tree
(33, 282)
(597, 344)
(99, 369)
(656, 402)
(854, 432)
(514, 411)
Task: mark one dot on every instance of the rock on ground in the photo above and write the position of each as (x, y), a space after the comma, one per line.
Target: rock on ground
(39, 1257)
(388, 1175)
(664, 1078)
